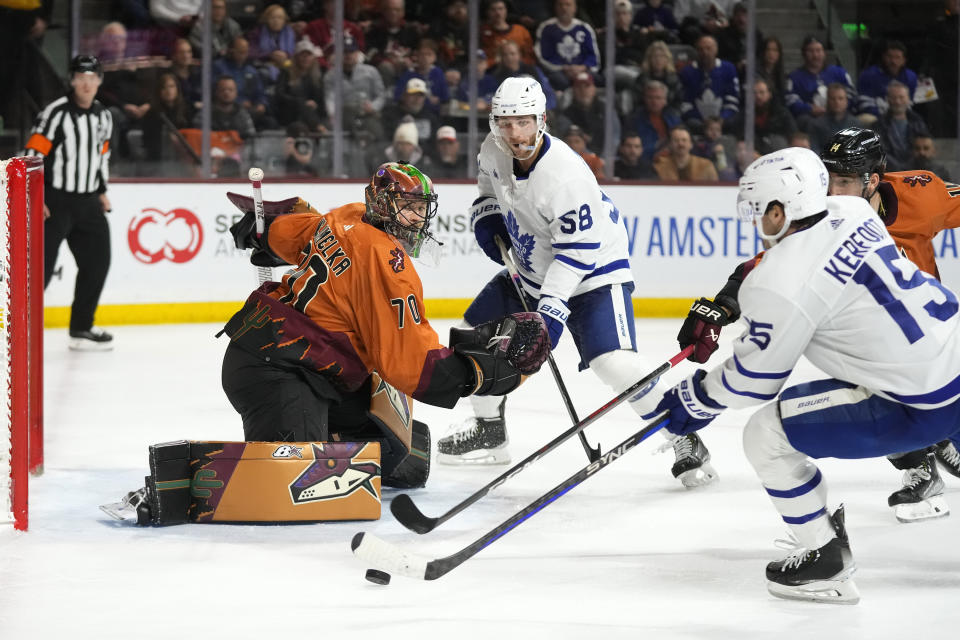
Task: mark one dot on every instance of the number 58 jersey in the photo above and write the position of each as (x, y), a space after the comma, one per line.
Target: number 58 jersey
(568, 237)
(841, 294)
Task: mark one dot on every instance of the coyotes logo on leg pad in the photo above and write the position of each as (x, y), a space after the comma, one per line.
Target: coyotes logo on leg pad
(329, 478)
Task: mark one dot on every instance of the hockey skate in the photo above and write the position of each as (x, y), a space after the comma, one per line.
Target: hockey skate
(129, 507)
(820, 575)
(948, 457)
(478, 441)
(692, 466)
(921, 497)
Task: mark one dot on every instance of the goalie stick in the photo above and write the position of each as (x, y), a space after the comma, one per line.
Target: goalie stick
(382, 555)
(409, 515)
(593, 453)
(255, 175)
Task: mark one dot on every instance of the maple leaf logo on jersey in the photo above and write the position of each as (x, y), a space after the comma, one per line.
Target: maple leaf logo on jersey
(522, 243)
(396, 262)
(920, 180)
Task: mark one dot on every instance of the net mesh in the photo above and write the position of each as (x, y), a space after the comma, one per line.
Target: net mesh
(6, 499)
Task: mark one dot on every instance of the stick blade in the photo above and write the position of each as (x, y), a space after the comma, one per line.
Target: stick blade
(382, 555)
(409, 515)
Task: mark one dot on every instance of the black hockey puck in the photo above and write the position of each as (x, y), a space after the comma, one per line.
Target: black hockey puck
(377, 577)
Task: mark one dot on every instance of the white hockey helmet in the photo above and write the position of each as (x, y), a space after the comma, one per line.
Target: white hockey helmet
(794, 177)
(518, 96)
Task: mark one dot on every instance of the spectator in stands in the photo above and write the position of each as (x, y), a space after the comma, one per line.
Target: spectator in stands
(657, 20)
(630, 163)
(732, 39)
(446, 159)
(298, 151)
(511, 65)
(899, 126)
(631, 43)
(806, 90)
(576, 139)
(710, 86)
(227, 113)
(873, 81)
(112, 43)
(718, 148)
(773, 123)
(404, 148)
(587, 111)
(187, 73)
(836, 117)
(925, 157)
(495, 30)
(412, 107)
(653, 119)
(391, 40)
(658, 65)
(301, 12)
(676, 163)
(126, 87)
(273, 41)
(250, 85)
(320, 33)
(424, 60)
(487, 84)
(566, 46)
(223, 30)
(363, 94)
(169, 112)
(299, 92)
(175, 13)
(770, 67)
(451, 32)
(697, 17)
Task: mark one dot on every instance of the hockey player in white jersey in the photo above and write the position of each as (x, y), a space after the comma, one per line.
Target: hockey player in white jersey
(834, 288)
(571, 251)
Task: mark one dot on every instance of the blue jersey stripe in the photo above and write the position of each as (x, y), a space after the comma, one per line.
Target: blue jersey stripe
(756, 374)
(947, 392)
(758, 396)
(607, 268)
(576, 264)
(576, 245)
(806, 518)
(806, 487)
(529, 281)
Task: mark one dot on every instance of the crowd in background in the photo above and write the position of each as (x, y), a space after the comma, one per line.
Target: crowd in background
(678, 67)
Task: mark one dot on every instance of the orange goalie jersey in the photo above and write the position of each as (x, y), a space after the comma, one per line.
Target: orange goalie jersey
(353, 304)
(915, 206)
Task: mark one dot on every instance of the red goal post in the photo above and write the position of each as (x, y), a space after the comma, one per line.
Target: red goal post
(21, 328)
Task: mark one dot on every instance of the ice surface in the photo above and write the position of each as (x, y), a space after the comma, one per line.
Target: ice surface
(628, 554)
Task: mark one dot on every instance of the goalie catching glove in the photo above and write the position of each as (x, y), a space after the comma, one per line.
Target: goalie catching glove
(244, 231)
(702, 329)
(501, 353)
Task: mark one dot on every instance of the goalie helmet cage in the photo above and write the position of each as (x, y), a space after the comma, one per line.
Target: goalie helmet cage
(21, 327)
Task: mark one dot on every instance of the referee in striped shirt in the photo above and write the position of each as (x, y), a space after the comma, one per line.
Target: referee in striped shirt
(72, 134)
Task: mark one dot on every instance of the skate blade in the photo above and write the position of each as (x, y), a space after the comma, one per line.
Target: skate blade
(480, 457)
(702, 475)
(82, 344)
(929, 509)
(119, 510)
(827, 591)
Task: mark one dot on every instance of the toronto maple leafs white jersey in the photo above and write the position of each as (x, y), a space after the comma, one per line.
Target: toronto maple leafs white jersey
(841, 294)
(568, 237)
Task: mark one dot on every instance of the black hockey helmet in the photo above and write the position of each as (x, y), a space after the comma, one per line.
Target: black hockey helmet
(854, 151)
(85, 64)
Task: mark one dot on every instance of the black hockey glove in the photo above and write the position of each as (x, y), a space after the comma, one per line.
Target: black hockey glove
(244, 231)
(702, 329)
(502, 352)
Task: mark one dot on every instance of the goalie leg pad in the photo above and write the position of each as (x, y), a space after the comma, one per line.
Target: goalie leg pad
(413, 470)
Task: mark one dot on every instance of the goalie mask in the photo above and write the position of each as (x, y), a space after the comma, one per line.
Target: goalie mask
(794, 178)
(401, 200)
(519, 97)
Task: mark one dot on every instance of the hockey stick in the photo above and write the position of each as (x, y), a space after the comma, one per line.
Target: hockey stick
(593, 453)
(255, 176)
(409, 515)
(387, 557)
